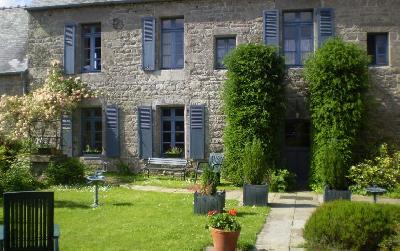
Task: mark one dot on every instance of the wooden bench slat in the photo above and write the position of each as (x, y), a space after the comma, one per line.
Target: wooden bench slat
(167, 164)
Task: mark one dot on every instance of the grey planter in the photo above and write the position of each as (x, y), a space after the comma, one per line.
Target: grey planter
(205, 203)
(331, 194)
(255, 195)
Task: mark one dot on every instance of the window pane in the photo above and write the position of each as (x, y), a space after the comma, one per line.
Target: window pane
(381, 59)
(181, 146)
(97, 53)
(304, 56)
(97, 29)
(306, 16)
(231, 44)
(166, 112)
(166, 126)
(290, 58)
(166, 24)
(86, 29)
(98, 126)
(98, 137)
(306, 31)
(166, 137)
(290, 32)
(86, 54)
(179, 126)
(179, 112)
(97, 112)
(290, 45)
(86, 43)
(179, 137)
(166, 62)
(97, 42)
(166, 147)
(97, 65)
(306, 45)
(179, 23)
(289, 16)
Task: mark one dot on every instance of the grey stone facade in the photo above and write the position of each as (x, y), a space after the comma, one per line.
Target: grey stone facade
(124, 83)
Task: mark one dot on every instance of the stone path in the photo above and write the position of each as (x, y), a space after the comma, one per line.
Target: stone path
(284, 225)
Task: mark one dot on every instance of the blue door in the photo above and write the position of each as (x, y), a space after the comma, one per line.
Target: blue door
(297, 150)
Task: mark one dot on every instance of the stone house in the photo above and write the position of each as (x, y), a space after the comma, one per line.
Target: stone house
(159, 65)
(13, 56)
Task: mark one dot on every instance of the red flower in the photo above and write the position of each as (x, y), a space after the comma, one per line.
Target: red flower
(232, 212)
(211, 213)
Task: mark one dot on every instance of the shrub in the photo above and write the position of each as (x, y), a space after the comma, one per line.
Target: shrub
(337, 75)
(68, 172)
(255, 167)
(18, 177)
(254, 102)
(209, 181)
(383, 171)
(123, 168)
(351, 225)
(281, 180)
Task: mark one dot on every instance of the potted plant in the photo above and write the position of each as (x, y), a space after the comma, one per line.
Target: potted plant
(174, 152)
(225, 229)
(255, 169)
(335, 168)
(208, 198)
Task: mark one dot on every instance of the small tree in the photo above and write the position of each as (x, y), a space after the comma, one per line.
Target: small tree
(254, 105)
(338, 78)
(255, 167)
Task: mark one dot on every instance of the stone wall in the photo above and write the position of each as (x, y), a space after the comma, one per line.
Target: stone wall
(127, 85)
(12, 84)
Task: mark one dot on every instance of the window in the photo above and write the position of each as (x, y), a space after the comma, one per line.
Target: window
(223, 47)
(297, 36)
(172, 43)
(172, 129)
(91, 45)
(377, 47)
(92, 131)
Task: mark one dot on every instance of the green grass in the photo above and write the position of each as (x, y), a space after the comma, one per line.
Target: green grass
(161, 181)
(137, 220)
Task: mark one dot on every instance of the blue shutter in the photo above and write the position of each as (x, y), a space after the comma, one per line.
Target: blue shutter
(69, 49)
(271, 27)
(196, 132)
(326, 25)
(149, 43)
(145, 132)
(112, 131)
(66, 135)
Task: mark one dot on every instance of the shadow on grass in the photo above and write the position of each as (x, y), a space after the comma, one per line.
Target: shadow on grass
(70, 204)
(122, 204)
(248, 247)
(240, 214)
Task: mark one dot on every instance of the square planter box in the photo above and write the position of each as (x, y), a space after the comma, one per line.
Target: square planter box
(255, 195)
(205, 203)
(330, 194)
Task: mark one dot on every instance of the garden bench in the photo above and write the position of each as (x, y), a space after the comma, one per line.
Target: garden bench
(172, 165)
(29, 222)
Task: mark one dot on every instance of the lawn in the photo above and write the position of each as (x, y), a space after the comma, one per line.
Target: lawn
(137, 220)
(162, 181)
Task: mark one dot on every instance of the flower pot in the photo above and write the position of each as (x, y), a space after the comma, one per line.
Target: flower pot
(331, 194)
(205, 203)
(224, 240)
(255, 195)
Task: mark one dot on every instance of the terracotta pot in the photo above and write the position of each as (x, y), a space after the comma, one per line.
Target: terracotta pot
(224, 240)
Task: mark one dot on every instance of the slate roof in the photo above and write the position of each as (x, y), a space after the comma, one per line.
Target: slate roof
(13, 40)
(52, 4)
